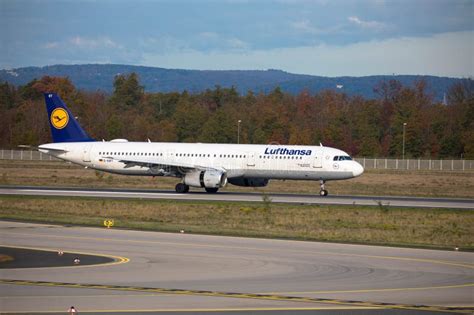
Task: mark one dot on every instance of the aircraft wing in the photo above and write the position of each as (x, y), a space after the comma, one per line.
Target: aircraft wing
(178, 169)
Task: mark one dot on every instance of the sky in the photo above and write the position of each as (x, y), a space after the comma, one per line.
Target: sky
(318, 37)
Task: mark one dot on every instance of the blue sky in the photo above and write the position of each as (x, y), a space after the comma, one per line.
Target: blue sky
(319, 37)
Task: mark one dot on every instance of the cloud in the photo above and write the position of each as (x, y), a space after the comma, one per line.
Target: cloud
(51, 45)
(204, 41)
(79, 49)
(208, 35)
(305, 26)
(235, 43)
(374, 25)
(213, 41)
(447, 54)
(92, 43)
(83, 43)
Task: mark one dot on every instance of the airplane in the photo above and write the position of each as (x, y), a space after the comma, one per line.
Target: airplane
(203, 165)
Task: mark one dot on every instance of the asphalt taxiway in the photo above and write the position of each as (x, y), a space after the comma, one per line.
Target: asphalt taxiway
(454, 203)
(198, 274)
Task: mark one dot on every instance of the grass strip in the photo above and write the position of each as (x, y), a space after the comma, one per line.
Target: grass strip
(437, 228)
(372, 182)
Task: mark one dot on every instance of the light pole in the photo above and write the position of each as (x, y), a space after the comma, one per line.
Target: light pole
(403, 146)
(238, 131)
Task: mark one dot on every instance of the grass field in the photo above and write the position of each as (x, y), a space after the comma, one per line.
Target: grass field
(371, 225)
(438, 228)
(372, 182)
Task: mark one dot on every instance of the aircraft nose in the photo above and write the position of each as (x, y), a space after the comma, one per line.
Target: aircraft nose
(357, 169)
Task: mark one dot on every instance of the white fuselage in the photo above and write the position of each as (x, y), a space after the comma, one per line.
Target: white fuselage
(236, 160)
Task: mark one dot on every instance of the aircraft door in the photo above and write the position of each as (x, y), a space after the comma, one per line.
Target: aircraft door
(86, 152)
(250, 158)
(318, 159)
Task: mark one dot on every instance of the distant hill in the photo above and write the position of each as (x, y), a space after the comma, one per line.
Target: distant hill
(93, 77)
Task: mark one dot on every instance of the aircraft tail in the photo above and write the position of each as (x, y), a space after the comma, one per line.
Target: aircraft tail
(64, 127)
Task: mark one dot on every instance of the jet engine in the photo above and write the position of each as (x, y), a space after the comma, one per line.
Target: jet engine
(206, 179)
(249, 182)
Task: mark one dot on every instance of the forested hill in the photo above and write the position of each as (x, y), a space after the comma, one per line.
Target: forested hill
(95, 77)
(401, 117)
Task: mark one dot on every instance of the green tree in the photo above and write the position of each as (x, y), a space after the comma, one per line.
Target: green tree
(189, 119)
(219, 128)
(8, 96)
(127, 91)
(114, 127)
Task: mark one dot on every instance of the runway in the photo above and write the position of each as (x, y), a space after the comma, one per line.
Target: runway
(229, 275)
(239, 197)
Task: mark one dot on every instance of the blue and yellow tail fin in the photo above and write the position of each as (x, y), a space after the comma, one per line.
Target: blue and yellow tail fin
(64, 127)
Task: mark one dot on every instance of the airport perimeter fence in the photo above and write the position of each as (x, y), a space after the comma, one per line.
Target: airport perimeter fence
(367, 163)
(416, 164)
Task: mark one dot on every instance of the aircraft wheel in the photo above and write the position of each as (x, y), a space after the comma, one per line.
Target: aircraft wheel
(211, 190)
(181, 188)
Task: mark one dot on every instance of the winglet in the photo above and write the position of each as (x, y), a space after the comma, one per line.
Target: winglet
(64, 127)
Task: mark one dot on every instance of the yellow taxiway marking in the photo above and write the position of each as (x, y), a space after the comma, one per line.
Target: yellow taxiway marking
(264, 293)
(117, 259)
(99, 296)
(377, 290)
(306, 252)
(207, 310)
(266, 297)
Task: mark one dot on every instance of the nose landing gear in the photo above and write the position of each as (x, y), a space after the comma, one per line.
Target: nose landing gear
(323, 192)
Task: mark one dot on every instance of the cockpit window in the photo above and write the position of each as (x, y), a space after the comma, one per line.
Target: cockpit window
(342, 158)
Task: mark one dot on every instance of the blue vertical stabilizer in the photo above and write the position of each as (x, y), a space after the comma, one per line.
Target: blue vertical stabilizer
(64, 127)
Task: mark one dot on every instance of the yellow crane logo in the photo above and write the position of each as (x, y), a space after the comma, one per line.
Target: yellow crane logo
(59, 118)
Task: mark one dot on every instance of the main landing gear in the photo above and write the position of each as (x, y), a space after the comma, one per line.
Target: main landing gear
(181, 188)
(323, 192)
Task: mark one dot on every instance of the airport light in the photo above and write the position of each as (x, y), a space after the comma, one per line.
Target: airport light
(403, 145)
(238, 131)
